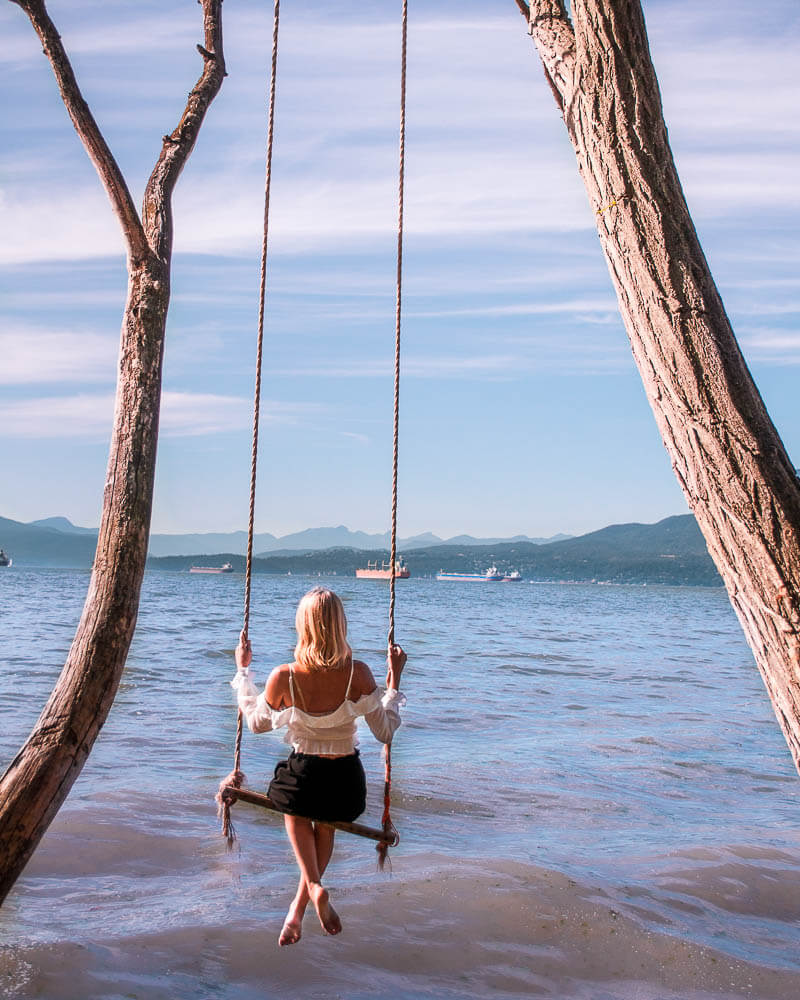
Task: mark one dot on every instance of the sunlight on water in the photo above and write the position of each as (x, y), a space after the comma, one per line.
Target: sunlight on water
(593, 795)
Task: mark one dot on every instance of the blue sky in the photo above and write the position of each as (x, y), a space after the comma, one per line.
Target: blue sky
(521, 409)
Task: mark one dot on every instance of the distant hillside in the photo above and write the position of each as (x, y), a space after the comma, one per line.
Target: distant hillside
(64, 525)
(310, 540)
(670, 552)
(187, 545)
(51, 542)
(44, 545)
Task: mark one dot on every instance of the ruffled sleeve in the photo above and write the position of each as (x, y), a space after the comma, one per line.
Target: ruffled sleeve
(257, 713)
(384, 719)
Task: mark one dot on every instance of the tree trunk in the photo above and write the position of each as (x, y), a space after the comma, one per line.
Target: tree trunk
(40, 777)
(726, 453)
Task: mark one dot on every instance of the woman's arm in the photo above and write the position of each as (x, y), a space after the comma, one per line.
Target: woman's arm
(255, 708)
(384, 720)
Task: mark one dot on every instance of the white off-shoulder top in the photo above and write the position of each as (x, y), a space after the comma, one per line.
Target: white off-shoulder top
(332, 733)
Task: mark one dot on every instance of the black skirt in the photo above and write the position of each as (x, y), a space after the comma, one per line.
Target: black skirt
(332, 788)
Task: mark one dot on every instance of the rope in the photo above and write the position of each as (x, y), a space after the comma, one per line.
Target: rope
(236, 777)
(226, 795)
(262, 294)
(388, 826)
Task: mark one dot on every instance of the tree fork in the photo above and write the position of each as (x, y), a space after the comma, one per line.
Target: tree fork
(41, 775)
(725, 451)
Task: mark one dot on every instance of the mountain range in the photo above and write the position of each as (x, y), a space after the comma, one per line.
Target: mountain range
(672, 551)
(55, 541)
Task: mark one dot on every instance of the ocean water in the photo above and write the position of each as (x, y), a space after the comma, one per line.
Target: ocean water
(593, 795)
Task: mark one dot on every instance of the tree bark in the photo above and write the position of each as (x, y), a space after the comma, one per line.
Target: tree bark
(40, 777)
(726, 453)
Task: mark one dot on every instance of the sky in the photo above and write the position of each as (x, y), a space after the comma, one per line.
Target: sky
(521, 409)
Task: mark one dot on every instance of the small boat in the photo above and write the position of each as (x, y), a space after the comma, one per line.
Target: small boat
(492, 575)
(224, 568)
(513, 577)
(384, 571)
(5, 560)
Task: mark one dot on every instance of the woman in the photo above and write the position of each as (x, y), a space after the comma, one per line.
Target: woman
(318, 698)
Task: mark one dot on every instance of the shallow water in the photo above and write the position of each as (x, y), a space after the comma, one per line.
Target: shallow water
(593, 795)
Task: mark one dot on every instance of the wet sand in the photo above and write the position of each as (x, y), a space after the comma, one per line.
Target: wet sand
(436, 928)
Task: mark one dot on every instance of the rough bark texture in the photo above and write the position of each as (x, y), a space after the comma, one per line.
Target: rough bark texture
(725, 451)
(40, 777)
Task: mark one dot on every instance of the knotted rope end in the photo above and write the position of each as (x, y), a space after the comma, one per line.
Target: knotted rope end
(225, 798)
(382, 847)
(391, 838)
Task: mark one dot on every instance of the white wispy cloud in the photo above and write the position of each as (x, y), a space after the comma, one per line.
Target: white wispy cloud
(189, 414)
(183, 414)
(769, 282)
(65, 298)
(720, 183)
(36, 355)
(68, 224)
(57, 223)
(358, 438)
(530, 356)
(486, 365)
(576, 306)
(789, 308)
(131, 31)
(349, 210)
(726, 71)
(78, 416)
(770, 346)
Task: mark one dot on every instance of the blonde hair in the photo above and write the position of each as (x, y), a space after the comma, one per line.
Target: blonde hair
(321, 631)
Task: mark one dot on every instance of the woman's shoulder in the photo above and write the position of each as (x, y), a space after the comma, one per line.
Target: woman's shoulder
(363, 681)
(278, 685)
(282, 671)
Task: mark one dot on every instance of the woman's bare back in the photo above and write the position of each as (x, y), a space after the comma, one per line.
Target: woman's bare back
(320, 691)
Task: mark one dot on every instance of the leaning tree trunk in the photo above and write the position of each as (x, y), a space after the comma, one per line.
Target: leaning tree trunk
(726, 453)
(40, 777)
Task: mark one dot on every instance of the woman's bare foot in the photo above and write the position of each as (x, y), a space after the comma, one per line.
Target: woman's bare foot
(292, 928)
(328, 917)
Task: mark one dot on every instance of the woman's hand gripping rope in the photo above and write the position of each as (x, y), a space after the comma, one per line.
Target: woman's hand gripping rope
(395, 661)
(243, 653)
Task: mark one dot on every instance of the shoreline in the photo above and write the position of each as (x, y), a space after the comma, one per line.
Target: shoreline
(475, 927)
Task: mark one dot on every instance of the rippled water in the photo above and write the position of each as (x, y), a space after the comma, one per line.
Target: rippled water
(593, 795)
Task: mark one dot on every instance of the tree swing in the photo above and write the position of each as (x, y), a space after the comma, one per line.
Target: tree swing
(231, 788)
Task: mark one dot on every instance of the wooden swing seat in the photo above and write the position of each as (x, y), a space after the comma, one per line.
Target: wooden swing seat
(231, 793)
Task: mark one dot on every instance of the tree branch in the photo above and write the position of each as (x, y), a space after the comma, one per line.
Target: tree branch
(176, 147)
(86, 127)
(551, 29)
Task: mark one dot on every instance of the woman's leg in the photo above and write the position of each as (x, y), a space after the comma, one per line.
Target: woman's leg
(323, 836)
(292, 926)
(313, 847)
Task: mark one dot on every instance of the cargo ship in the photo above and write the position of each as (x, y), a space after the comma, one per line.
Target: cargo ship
(224, 568)
(492, 575)
(4, 559)
(384, 572)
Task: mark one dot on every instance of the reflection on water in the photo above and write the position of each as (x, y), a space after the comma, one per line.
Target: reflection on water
(593, 795)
